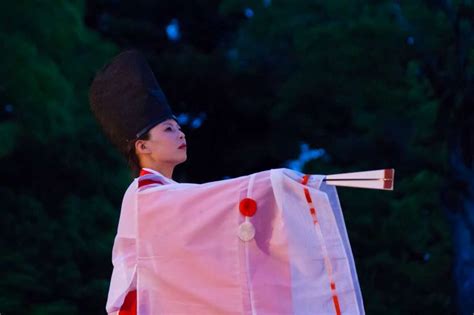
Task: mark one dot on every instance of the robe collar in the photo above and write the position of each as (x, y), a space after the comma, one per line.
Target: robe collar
(166, 180)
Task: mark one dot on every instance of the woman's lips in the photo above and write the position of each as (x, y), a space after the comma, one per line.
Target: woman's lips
(183, 146)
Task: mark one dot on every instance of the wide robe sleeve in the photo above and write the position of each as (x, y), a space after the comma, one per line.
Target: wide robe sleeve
(190, 259)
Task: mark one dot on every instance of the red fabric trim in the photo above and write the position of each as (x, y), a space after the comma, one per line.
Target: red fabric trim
(129, 306)
(148, 181)
(144, 172)
(312, 210)
(336, 304)
(145, 182)
(305, 179)
(307, 195)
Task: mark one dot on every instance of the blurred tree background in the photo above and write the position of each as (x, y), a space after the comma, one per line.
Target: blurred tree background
(320, 86)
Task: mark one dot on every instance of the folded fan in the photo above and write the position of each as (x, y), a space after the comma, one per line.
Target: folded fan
(376, 179)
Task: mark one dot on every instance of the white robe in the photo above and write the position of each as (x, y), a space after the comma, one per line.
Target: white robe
(178, 246)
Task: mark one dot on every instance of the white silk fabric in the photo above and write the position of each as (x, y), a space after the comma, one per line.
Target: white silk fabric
(178, 246)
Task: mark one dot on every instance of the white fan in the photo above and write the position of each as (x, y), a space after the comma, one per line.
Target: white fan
(377, 179)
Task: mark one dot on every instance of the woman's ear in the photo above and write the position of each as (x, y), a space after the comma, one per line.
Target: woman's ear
(141, 147)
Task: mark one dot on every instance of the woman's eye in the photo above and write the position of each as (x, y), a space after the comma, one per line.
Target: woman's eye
(168, 128)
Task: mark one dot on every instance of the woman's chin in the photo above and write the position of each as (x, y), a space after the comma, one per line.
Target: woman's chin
(183, 159)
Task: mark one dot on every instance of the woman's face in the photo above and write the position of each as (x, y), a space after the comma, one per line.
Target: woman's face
(166, 145)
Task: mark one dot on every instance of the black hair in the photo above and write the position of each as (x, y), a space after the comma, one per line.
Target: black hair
(133, 161)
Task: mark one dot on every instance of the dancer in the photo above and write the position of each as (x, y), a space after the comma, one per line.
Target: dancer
(272, 242)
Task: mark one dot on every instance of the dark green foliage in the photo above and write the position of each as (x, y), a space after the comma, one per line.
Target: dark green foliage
(61, 181)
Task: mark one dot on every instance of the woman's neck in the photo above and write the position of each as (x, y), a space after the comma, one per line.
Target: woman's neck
(165, 169)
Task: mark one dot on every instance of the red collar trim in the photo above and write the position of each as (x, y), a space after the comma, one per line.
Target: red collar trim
(144, 172)
(148, 181)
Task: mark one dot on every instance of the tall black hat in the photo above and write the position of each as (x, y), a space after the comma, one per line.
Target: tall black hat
(127, 100)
